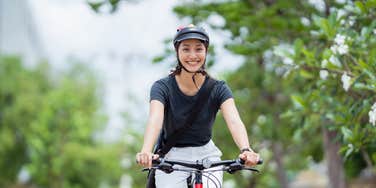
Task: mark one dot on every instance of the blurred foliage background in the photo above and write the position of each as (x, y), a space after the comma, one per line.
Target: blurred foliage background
(306, 92)
(48, 126)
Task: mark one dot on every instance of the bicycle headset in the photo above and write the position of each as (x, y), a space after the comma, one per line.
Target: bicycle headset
(191, 32)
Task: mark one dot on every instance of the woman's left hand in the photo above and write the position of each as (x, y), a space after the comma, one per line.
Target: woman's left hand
(251, 158)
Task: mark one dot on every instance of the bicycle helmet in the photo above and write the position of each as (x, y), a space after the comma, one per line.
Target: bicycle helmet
(191, 32)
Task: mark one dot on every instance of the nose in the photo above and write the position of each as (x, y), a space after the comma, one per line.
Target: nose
(192, 55)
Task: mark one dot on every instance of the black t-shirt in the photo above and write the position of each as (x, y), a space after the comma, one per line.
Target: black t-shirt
(177, 105)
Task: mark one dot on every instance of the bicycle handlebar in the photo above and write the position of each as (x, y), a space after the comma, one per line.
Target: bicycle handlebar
(231, 166)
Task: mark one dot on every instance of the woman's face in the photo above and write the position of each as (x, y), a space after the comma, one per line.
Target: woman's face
(192, 54)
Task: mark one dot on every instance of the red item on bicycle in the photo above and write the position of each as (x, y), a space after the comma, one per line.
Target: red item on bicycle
(198, 185)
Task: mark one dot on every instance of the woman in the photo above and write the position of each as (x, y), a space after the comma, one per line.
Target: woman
(171, 99)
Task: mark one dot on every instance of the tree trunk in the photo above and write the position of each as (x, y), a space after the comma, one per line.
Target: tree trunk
(334, 160)
(278, 157)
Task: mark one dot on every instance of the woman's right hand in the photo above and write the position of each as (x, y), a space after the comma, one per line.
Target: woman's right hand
(145, 159)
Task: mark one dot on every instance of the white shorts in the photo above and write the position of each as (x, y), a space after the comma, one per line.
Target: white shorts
(178, 179)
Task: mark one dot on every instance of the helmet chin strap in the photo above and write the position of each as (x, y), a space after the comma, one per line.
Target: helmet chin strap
(201, 70)
(194, 72)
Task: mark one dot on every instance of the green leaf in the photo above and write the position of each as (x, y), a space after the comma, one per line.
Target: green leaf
(297, 135)
(361, 6)
(347, 133)
(95, 5)
(372, 76)
(332, 20)
(298, 46)
(324, 25)
(370, 4)
(363, 64)
(298, 101)
(349, 151)
(374, 156)
(362, 86)
(158, 59)
(114, 2)
(306, 74)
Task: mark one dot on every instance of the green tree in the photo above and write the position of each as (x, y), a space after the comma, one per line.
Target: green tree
(299, 36)
(106, 6)
(48, 127)
(19, 99)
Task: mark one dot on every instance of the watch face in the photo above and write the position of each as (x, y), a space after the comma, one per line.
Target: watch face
(206, 163)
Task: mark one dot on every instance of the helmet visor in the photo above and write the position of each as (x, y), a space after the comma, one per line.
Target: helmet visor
(192, 36)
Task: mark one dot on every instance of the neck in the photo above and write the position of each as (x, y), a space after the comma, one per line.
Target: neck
(185, 79)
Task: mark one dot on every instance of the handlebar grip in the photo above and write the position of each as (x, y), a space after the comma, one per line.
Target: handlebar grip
(241, 161)
(156, 161)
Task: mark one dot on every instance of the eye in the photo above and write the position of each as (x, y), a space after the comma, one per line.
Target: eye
(185, 49)
(200, 49)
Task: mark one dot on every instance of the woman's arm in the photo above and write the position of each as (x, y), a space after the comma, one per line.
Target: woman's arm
(235, 124)
(238, 131)
(153, 128)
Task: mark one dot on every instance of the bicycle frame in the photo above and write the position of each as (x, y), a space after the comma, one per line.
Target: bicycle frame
(198, 180)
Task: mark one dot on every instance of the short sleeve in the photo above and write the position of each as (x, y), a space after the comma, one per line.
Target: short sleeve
(159, 92)
(223, 92)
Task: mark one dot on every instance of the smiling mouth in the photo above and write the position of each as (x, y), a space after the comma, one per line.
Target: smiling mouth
(193, 63)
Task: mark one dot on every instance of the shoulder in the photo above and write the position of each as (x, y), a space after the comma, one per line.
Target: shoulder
(160, 90)
(220, 84)
(163, 82)
(166, 79)
(221, 91)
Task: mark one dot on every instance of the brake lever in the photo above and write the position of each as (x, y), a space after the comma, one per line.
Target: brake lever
(165, 167)
(155, 164)
(251, 169)
(145, 169)
(239, 165)
(234, 167)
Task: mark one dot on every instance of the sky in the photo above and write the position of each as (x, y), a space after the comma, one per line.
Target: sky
(119, 47)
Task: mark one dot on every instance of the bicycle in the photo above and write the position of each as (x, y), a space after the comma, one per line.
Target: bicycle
(197, 168)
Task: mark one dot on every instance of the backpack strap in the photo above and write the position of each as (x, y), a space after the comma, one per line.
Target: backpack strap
(197, 107)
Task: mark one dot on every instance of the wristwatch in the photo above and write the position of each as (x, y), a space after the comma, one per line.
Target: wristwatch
(245, 149)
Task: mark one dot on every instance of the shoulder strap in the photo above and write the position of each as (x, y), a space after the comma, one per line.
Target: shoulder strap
(197, 107)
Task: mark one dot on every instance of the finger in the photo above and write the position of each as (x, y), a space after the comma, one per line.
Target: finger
(257, 158)
(251, 160)
(248, 161)
(254, 159)
(137, 160)
(242, 156)
(144, 160)
(147, 161)
(150, 158)
(155, 156)
(141, 160)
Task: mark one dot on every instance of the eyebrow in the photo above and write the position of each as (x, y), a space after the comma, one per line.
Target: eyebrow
(197, 44)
